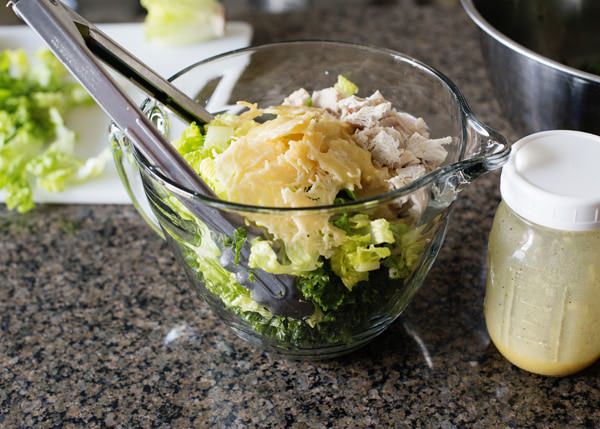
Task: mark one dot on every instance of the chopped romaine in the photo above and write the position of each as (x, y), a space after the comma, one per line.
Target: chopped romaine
(36, 148)
(183, 22)
(353, 260)
(406, 255)
(381, 232)
(344, 196)
(56, 167)
(323, 290)
(264, 257)
(345, 87)
(218, 137)
(237, 242)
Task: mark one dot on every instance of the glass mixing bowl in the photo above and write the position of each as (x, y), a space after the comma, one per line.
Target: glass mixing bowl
(265, 75)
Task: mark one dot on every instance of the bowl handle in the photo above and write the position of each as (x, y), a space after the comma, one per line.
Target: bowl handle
(129, 173)
(486, 149)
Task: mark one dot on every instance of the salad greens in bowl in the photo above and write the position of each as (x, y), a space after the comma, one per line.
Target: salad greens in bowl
(334, 167)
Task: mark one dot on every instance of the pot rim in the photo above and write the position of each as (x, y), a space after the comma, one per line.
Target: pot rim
(487, 27)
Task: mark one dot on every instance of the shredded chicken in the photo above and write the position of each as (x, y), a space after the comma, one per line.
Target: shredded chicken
(428, 150)
(327, 99)
(407, 175)
(405, 123)
(396, 140)
(382, 143)
(300, 97)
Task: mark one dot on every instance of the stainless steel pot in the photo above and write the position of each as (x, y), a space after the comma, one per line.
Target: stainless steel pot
(541, 55)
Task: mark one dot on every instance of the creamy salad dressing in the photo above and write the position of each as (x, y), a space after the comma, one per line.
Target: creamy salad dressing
(543, 288)
(543, 292)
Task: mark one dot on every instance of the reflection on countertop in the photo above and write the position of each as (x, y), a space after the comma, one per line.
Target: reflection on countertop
(98, 327)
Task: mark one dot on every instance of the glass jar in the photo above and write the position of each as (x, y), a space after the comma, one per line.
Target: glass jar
(543, 286)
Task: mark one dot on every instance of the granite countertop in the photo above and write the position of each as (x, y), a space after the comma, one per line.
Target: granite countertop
(88, 294)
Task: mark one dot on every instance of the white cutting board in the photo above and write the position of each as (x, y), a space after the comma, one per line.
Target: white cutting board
(91, 124)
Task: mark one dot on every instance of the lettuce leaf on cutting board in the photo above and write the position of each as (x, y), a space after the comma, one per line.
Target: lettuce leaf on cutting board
(37, 149)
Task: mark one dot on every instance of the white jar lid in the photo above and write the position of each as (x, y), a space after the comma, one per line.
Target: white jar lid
(553, 179)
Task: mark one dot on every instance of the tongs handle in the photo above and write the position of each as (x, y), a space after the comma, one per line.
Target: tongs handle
(60, 28)
(129, 66)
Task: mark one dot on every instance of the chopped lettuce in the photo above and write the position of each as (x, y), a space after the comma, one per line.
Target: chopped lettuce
(218, 137)
(407, 253)
(36, 148)
(345, 196)
(339, 310)
(319, 287)
(351, 224)
(191, 141)
(381, 231)
(361, 251)
(264, 257)
(56, 167)
(345, 87)
(199, 147)
(338, 313)
(363, 248)
(204, 257)
(192, 146)
(236, 242)
(183, 22)
(343, 222)
(353, 260)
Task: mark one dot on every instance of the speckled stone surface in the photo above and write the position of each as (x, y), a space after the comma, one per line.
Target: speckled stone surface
(88, 294)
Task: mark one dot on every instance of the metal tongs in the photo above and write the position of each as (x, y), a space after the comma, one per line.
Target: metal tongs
(78, 44)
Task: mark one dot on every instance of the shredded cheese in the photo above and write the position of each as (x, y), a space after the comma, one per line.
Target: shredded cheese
(303, 157)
